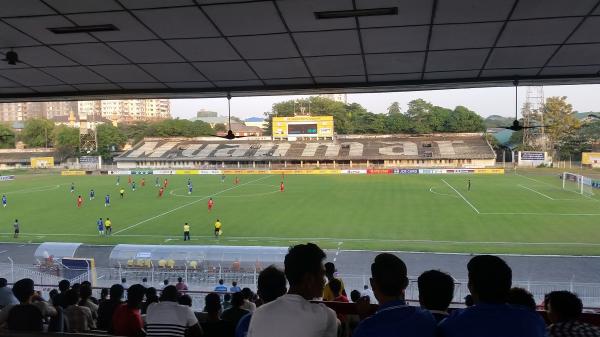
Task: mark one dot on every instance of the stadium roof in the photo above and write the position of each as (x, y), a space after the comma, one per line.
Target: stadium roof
(201, 48)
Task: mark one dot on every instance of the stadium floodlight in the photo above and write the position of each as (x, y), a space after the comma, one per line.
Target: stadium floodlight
(577, 183)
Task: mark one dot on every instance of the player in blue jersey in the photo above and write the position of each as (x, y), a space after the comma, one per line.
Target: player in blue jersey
(92, 194)
(133, 186)
(100, 224)
(118, 180)
(190, 188)
(107, 201)
(4, 200)
(72, 187)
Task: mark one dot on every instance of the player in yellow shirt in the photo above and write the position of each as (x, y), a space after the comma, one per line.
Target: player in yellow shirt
(108, 225)
(217, 228)
(186, 232)
(122, 192)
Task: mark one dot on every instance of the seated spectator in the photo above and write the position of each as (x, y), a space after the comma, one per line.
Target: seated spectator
(271, 285)
(293, 314)
(107, 308)
(6, 294)
(151, 297)
(469, 301)
(368, 293)
(127, 319)
(436, 290)
(235, 313)
(490, 280)
(187, 301)
(564, 308)
(352, 321)
(214, 326)
(181, 286)
(103, 295)
(79, 317)
(234, 287)
(63, 286)
(336, 289)
(394, 317)
(221, 288)
(169, 318)
(145, 282)
(164, 284)
(91, 298)
(522, 297)
(330, 274)
(124, 283)
(85, 293)
(26, 315)
(248, 304)
(226, 301)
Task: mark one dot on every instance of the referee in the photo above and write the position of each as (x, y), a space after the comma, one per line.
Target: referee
(186, 232)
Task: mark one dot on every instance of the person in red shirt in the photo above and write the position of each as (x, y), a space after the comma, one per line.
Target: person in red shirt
(127, 319)
(281, 187)
(210, 204)
(166, 183)
(79, 201)
(336, 288)
(143, 182)
(237, 180)
(129, 180)
(160, 192)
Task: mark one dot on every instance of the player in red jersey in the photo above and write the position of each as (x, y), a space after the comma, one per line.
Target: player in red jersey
(281, 187)
(79, 201)
(210, 204)
(129, 180)
(161, 191)
(143, 182)
(166, 183)
(237, 180)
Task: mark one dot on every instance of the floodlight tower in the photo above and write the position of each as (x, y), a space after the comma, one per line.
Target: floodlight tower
(533, 115)
(88, 140)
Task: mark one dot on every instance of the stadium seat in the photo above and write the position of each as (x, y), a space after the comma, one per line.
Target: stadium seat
(162, 263)
(130, 263)
(171, 263)
(194, 265)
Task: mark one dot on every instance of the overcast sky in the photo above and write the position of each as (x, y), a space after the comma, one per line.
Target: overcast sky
(485, 101)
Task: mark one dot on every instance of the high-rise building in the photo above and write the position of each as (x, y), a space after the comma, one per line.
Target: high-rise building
(127, 110)
(336, 97)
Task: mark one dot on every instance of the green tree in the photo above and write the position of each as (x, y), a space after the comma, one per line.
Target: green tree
(65, 141)
(418, 112)
(560, 119)
(464, 120)
(37, 132)
(7, 137)
(220, 127)
(110, 139)
(394, 108)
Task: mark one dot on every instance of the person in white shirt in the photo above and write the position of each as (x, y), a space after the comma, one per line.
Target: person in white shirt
(293, 314)
(169, 318)
(368, 293)
(6, 294)
(247, 294)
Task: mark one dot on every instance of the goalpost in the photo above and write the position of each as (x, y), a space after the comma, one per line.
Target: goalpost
(577, 183)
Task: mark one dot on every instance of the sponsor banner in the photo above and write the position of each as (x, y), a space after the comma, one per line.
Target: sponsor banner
(209, 172)
(460, 171)
(380, 171)
(432, 171)
(7, 178)
(406, 171)
(89, 162)
(72, 173)
(187, 172)
(121, 172)
(141, 172)
(490, 171)
(41, 162)
(354, 171)
(163, 172)
(590, 158)
(532, 155)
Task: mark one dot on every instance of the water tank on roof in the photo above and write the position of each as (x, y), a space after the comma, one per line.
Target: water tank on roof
(208, 257)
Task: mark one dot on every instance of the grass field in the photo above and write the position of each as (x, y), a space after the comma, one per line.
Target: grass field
(509, 213)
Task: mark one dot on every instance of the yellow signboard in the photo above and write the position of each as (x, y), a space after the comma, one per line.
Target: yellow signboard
(303, 126)
(489, 171)
(72, 173)
(186, 172)
(590, 158)
(42, 162)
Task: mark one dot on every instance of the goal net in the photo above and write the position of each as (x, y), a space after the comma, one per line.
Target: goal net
(577, 183)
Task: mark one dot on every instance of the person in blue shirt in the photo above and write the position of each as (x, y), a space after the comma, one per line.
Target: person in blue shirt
(190, 188)
(72, 187)
(490, 279)
(133, 186)
(4, 200)
(189, 182)
(100, 224)
(234, 287)
(107, 200)
(394, 317)
(92, 194)
(220, 288)
(436, 290)
(271, 286)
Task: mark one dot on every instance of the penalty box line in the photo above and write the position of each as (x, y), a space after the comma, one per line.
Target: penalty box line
(186, 205)
(463, 198)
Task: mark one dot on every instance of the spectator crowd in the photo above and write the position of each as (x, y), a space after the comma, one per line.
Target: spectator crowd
(293, 302)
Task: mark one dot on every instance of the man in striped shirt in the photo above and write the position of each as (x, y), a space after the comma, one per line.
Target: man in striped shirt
(170, 319)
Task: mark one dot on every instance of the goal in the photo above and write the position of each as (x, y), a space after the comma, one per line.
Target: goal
(577, 183)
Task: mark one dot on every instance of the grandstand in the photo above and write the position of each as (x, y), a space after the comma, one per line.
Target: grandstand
(436, 150)
(17, 158)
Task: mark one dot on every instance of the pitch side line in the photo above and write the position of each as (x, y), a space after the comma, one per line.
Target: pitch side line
(185, 205)
(558, 188)
(534, 191)
(465, 199)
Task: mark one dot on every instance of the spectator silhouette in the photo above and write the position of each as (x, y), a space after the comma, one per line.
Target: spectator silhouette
(394, 317)
(490, 280)
(6, 294)
(521, 297)
(564, 308)
(170, 318)
(79, 317)
(107, 308)
(151, 297)
(235, 313)
(436, 290)
(330, 271)
(247, 295)
(292, 314)
(127, 319)
(24, 316)
(214, 326)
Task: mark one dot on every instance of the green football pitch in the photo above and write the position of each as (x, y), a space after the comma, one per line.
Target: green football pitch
(510, 213)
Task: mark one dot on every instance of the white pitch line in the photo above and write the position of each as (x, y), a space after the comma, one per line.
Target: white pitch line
(534, 191)
(444, 194)
(185, 205)
(558, 188)
(533, 213)
(465, 199)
